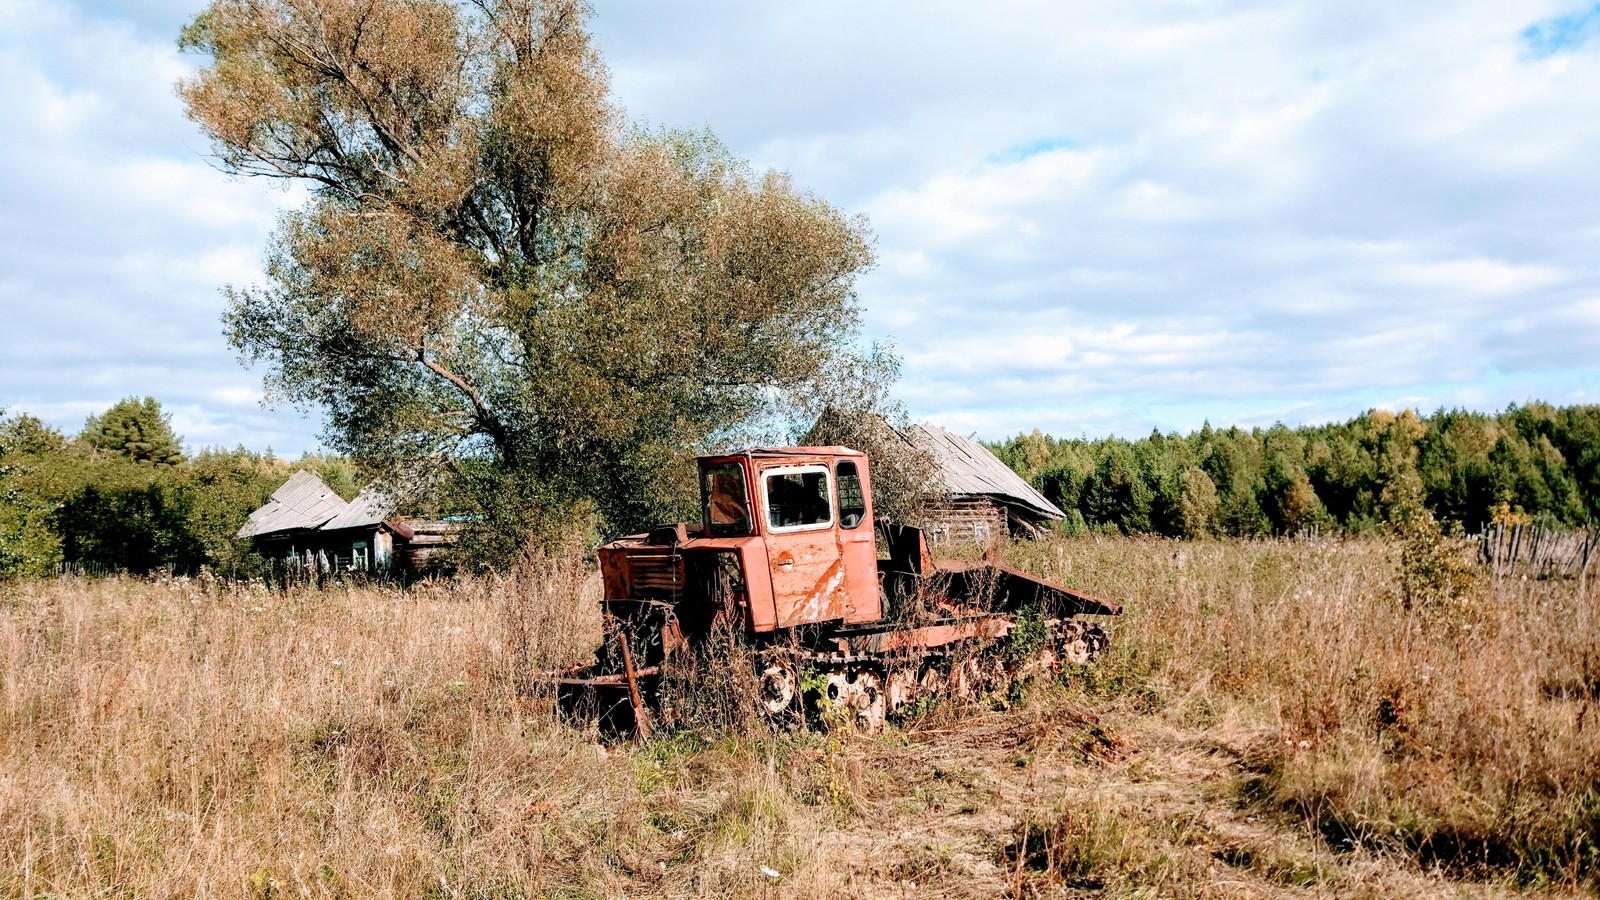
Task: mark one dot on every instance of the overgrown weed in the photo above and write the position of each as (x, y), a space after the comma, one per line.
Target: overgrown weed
(1401, 700)
(191, 737)
(165, 737)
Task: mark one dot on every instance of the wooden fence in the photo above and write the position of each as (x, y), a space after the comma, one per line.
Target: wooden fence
(1537, 550)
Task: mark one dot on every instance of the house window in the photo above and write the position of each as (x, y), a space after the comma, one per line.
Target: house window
(358, 555)
(797, 498)
(980, 532)
(852, 501)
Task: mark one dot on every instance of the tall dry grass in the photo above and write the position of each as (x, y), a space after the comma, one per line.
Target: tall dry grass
(165, 738)
(196, 738)
(1461, 733)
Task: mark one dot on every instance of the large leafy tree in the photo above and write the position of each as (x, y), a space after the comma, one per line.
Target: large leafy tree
(492, 272)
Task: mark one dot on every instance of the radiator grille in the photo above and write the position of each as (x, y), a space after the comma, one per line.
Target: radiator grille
(656, 574)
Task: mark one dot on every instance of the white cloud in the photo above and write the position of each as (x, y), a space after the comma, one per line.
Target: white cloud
(1089, 216)
(1475, 276)
(116, 233)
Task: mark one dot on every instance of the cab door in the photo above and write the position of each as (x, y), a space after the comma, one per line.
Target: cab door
(857, 538)
(803, 543)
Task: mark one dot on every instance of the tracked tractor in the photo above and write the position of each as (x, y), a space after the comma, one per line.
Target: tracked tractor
(847, 618)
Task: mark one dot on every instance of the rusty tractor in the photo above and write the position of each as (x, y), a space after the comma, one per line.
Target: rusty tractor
(787, 555)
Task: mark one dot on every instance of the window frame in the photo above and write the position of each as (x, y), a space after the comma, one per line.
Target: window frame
(766, 500)
(838, 496)
(705, 500)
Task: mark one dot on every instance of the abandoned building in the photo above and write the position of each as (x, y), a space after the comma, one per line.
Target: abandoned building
(306, 523)
(985, 499)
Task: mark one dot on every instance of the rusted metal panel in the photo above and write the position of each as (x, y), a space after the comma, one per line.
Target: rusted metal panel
(656, 572)
(716, 543)
(790, 455)
(614, 570)
(938, 634)
(859, 547)
(808, 577)
(1016, 590)
(763, 609)
(811, 568)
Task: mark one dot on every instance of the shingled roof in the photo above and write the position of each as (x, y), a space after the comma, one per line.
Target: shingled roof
(303, 503)
(967, 468)
(370, 507)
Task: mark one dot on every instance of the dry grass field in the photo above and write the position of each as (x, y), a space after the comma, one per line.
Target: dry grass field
(1273, 721)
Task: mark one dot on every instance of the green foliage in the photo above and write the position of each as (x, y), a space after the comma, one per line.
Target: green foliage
(222, 487)
(129, 527)
(1197, 504)
(35, 476)
(1455, 466)
(136, 429)
(1433, 571)
(121, 497)
(506, 513)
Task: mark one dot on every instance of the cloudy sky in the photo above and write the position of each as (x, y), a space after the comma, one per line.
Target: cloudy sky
(1091, 218)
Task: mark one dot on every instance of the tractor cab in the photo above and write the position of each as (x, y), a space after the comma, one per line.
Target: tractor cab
(785, 538)
(809, 510)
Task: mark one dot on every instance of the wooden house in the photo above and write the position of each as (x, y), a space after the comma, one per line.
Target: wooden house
(306, 523)
(985, 499)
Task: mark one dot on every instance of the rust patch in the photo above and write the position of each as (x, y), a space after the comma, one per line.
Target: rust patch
(815, 605)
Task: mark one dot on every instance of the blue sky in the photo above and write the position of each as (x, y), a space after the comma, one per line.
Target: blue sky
(1091, 218)
(1562, 33)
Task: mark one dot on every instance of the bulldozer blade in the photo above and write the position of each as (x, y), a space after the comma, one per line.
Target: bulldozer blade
(1015, 590)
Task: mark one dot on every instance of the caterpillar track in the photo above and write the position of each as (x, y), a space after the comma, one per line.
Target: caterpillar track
(864, 690)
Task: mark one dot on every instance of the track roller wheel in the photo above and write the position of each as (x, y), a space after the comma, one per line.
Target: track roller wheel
(1080, 643)
(778, 690)
(1041, 662)
(975, 676)
(854, 696)
(902, 687)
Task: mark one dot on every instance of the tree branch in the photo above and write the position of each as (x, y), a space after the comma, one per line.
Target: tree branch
(487, 421)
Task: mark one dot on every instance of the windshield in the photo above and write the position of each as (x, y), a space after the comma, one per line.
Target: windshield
(724, 500)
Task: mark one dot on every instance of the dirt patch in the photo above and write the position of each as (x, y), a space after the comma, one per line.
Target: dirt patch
(1053, 800)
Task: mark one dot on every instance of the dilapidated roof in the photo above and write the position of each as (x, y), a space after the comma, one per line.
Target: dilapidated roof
(304, 502)
(967, 468)
(370, 507)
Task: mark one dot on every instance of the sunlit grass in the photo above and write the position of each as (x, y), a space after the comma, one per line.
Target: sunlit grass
(175, 737)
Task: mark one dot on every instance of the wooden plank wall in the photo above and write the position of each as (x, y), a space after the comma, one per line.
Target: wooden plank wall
(962, 522)
(431, 540)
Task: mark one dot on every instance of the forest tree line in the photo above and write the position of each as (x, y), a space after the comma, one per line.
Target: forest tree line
(1529, 462)
(121, 495)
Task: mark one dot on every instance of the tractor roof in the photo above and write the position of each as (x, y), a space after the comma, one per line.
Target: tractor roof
(787, 452)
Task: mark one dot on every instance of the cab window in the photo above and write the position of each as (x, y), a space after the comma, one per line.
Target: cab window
(798, 498)
(852, 500)
(725, 502)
